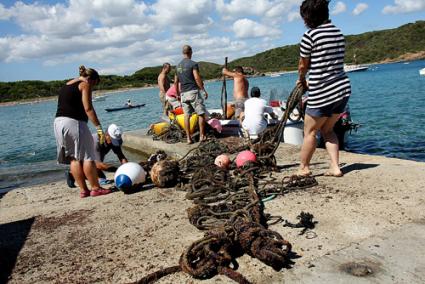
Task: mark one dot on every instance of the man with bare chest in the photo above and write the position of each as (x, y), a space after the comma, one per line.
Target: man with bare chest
(164, 85)
(240, 88)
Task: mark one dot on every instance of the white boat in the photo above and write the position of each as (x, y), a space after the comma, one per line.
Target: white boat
(292, 134)
(422, 72)
(355, 68)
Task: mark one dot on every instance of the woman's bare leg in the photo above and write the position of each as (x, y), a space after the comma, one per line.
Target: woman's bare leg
(311, 126)
(90, 172)
(332, 145)
(77, 172)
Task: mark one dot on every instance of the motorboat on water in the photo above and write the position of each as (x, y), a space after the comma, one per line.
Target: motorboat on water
(355, 68)
(422, 72)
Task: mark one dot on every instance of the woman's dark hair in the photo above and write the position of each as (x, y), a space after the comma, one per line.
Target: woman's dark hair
(314, 12)
(90, 73)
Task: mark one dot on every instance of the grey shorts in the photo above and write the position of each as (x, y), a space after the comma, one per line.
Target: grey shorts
(329, 110)
(193, 102)
(73, 140)
(239, 107)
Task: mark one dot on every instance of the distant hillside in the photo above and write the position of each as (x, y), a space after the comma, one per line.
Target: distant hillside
(404, 43)
(370, 47)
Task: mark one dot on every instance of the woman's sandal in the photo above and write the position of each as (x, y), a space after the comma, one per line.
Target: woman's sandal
(99, 191)
(85, 193)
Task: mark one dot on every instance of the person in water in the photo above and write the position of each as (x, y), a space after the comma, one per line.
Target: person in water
(187, 74)
(164, 85)
(128, 103)
(73, 138)
(322, 50)
(240, 89)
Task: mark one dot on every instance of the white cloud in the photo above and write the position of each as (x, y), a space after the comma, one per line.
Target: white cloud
(190, 17)
(339, 8)
(266, 9)
(404, 6)
(360, 8)
(4, 13)
(246, 28)
(293, 16)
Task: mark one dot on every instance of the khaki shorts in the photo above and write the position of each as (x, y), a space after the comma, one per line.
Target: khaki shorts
(162, 99)
(193, 102)
(239, 107)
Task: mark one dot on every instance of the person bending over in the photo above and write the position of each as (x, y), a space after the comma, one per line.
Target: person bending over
(113, 141)
(73, 138)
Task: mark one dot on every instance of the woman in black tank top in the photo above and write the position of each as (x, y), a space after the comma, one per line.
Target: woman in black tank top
(74, 141)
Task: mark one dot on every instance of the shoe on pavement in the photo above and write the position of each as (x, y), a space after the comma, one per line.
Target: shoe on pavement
(85, 193)
(70, 181)
(99, 192)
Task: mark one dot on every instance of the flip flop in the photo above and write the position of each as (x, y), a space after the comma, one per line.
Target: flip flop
(329, 174)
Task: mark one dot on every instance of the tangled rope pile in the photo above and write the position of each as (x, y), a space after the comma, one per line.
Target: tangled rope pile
(228, 206)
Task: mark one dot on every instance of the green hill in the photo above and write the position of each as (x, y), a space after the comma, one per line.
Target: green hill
(377, 46)
(370, 47)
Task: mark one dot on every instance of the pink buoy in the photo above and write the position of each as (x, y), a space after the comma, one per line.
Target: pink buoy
(216, 124)
(222, 161)
(245, 156)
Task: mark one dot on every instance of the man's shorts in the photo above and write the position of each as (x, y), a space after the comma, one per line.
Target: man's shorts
(193, 102)
(162, 99)
(329, 110)
(239, 107)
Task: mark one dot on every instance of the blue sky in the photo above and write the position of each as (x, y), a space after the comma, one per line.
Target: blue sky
(48, 40)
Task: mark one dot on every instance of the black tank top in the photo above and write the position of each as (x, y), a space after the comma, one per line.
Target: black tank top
(70, 103)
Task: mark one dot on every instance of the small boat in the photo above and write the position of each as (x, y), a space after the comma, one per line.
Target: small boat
(124, 107)
(99, 98)
(355, 68)
(422, 72)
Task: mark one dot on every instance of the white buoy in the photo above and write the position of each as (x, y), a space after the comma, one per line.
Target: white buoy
(129, 174)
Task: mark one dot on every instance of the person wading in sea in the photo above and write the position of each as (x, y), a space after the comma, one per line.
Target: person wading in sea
(164, 85)
(322, 50)
(187, 73)
(240, 89)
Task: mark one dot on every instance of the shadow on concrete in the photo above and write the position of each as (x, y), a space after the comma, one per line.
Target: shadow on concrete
(357, 167)
(12, 239)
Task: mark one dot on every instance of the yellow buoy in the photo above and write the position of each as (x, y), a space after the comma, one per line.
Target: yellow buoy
(160, 127)
(180, 121)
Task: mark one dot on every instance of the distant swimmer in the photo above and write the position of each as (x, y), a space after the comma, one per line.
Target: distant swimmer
(129, 104)
(240, 88)
(164, 85)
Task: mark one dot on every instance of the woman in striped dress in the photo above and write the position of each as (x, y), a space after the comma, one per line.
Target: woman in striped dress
(322, 50)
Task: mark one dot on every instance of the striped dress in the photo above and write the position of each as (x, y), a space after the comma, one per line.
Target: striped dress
(327, 81)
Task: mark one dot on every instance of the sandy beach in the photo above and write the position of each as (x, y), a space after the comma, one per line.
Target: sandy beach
(49, 235)
(95, 94)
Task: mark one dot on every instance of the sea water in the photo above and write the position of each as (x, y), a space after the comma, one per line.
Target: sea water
(388, 100)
